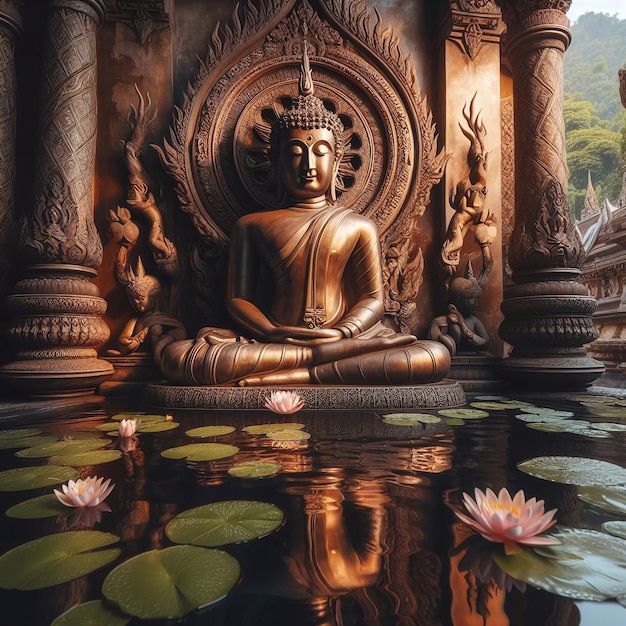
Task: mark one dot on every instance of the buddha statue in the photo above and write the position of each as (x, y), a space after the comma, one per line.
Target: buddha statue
(305, 287)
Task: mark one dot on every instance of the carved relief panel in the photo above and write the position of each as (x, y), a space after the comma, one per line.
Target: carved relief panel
(219, 145)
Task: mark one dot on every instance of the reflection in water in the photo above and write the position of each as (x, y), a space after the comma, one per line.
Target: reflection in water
(370, 538)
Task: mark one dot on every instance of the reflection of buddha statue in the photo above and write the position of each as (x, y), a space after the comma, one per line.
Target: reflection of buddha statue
(305, 282)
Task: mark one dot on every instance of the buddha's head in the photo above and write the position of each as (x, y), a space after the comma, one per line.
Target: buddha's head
(142, 289)
(308, 139)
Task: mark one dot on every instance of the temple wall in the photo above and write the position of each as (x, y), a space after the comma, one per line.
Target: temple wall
(167, 60)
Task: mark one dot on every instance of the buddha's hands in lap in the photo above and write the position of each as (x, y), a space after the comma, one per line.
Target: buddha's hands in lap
(298, 336)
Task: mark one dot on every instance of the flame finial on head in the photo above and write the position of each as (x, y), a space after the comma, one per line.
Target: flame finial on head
(306, 79)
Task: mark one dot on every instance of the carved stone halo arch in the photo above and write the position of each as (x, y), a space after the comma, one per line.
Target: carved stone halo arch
(218, 152)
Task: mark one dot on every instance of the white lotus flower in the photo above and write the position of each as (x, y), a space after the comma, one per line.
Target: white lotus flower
(284, 402)
(127, 428)
(90, 491)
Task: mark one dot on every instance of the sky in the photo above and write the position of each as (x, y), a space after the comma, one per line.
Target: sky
(598, 6)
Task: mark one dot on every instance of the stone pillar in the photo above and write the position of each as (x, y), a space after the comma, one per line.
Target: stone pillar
(547, 311)
(10, 27)
(57, 312)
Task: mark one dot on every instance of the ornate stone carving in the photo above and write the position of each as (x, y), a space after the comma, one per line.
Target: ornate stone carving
(220, 132)
(472, 22)
(10, 27)
(57, 314)
(543, 320)
(68, 136)
(142, 16)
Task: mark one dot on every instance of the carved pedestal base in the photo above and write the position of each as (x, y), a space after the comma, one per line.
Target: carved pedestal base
(130, 375)
(446, 393)
(477, 372)
(56, 325)
(548, 321)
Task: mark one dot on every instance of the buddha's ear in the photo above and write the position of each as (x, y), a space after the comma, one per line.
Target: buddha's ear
(332, 192)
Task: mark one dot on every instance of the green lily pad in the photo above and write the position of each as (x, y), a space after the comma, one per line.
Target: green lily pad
(38, 508)
(263, 429)
(588, 565)
(109, 427)
(209, 431)
(63, 447)
(611, 499)
(493, 405)
(26, 442)
(138, 416)
(410, 419)
(455, 421)
(93, 457)
(255, 469)
(157, 427)
(170, 583)
(23, 478)
(464, 414)
(606, 411)
(616, 528)
(201, 451)
(18, 433)
(544, 410)
(289, 434)
(573, 470)
(56, 559)
(93, 613)
(220, 523)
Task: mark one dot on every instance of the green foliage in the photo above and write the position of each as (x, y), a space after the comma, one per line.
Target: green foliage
(595, 121)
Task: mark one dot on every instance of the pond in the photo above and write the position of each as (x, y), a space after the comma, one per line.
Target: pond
(314, 518)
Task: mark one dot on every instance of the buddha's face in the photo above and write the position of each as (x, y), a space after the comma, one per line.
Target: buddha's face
(307, 162)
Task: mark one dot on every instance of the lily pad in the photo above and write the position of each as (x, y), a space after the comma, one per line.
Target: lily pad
(588, 565)
(138, 416)
(93, 457)
(93, 613)
(611, 499)
(22, 478)
(455, 421)
(464, 414)
(410, 419)
(574, 470)
(255, 469)
(263, 429)
(63, 447)
(220, 523)
(26, 442)
(170, 583)
(157, 427)
(609, 426)
(109, 427)
(18, 433)
(288, 435)
(616, 528)
(209, 431)
(545, 410)
(38, 508)
(55, 559)
(201, 451)
(494, 405)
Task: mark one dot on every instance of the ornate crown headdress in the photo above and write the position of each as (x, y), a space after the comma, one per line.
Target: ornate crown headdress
(307, 111)
(140, 283)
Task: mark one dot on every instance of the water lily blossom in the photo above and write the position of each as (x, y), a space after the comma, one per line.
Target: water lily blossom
(511, 521)
(285, 402)
(127, 428)
(86, 492)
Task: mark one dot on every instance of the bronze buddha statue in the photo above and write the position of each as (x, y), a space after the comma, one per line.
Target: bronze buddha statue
(305, 283)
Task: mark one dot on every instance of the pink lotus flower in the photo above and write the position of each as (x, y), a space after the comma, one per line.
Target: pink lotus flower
(82, 493)
(127, 428)
(285, 402)
(514, 522)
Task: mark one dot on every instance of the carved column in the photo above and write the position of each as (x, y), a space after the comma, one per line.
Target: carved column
(10, 27)
(57, 311)
(547, 311)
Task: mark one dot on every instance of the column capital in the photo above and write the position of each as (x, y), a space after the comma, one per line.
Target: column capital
(10, 16)
(95, 9)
